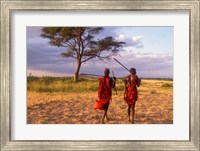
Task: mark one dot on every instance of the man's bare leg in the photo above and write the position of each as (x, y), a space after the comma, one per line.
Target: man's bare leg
(129, 113)
(133, 112)
(104, 115)
(107, 114)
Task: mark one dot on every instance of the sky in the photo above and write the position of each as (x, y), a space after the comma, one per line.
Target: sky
(148, 49)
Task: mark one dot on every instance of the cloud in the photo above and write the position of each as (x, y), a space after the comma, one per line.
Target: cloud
(135, 41)
(43, 59)
(147, 65)
(44, 73)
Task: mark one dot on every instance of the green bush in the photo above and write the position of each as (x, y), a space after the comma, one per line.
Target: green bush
(167, 85)
(153, 92)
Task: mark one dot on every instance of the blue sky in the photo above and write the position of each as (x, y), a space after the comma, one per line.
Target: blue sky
(148, 49)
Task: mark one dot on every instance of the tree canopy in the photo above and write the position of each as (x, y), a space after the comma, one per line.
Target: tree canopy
(82, 43)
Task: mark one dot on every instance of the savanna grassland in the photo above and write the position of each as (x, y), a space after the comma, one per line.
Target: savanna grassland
(54, 100)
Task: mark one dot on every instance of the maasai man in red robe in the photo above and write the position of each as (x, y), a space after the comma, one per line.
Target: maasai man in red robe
(130, 92)
(106, 84)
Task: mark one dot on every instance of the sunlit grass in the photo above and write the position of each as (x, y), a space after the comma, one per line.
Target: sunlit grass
(49, 84)
(66, 84)
(62, 101)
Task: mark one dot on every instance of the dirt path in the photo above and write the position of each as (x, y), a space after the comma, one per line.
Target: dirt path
(61, 108)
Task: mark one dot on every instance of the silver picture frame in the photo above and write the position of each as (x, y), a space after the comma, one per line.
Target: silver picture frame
(8, 6)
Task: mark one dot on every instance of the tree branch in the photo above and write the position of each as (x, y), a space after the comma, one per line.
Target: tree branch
(88, 59)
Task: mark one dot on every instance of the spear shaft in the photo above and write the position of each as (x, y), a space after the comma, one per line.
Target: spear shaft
(114, 80)
(94, 75)
(121, 64)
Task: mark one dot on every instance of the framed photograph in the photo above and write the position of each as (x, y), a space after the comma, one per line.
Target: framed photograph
(100, 75)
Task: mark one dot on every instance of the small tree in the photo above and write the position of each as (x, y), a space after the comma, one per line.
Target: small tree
(82, 43)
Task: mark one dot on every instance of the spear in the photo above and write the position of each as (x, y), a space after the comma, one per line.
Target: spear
(92, 75)
(121, 64)
(113, 77)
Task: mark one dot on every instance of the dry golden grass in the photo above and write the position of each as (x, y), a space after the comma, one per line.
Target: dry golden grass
(154, 106)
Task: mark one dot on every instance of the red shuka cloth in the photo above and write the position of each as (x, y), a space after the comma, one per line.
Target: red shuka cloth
(104, 94)
(132, 93)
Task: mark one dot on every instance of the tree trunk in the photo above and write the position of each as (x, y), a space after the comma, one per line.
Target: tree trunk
(76, 74)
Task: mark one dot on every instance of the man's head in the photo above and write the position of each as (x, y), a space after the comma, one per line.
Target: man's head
(106, 72)
(133, 71)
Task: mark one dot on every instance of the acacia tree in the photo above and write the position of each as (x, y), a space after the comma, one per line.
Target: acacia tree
(82, 43)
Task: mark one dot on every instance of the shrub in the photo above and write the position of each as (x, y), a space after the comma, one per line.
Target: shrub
(167, 85)
(153, 92)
